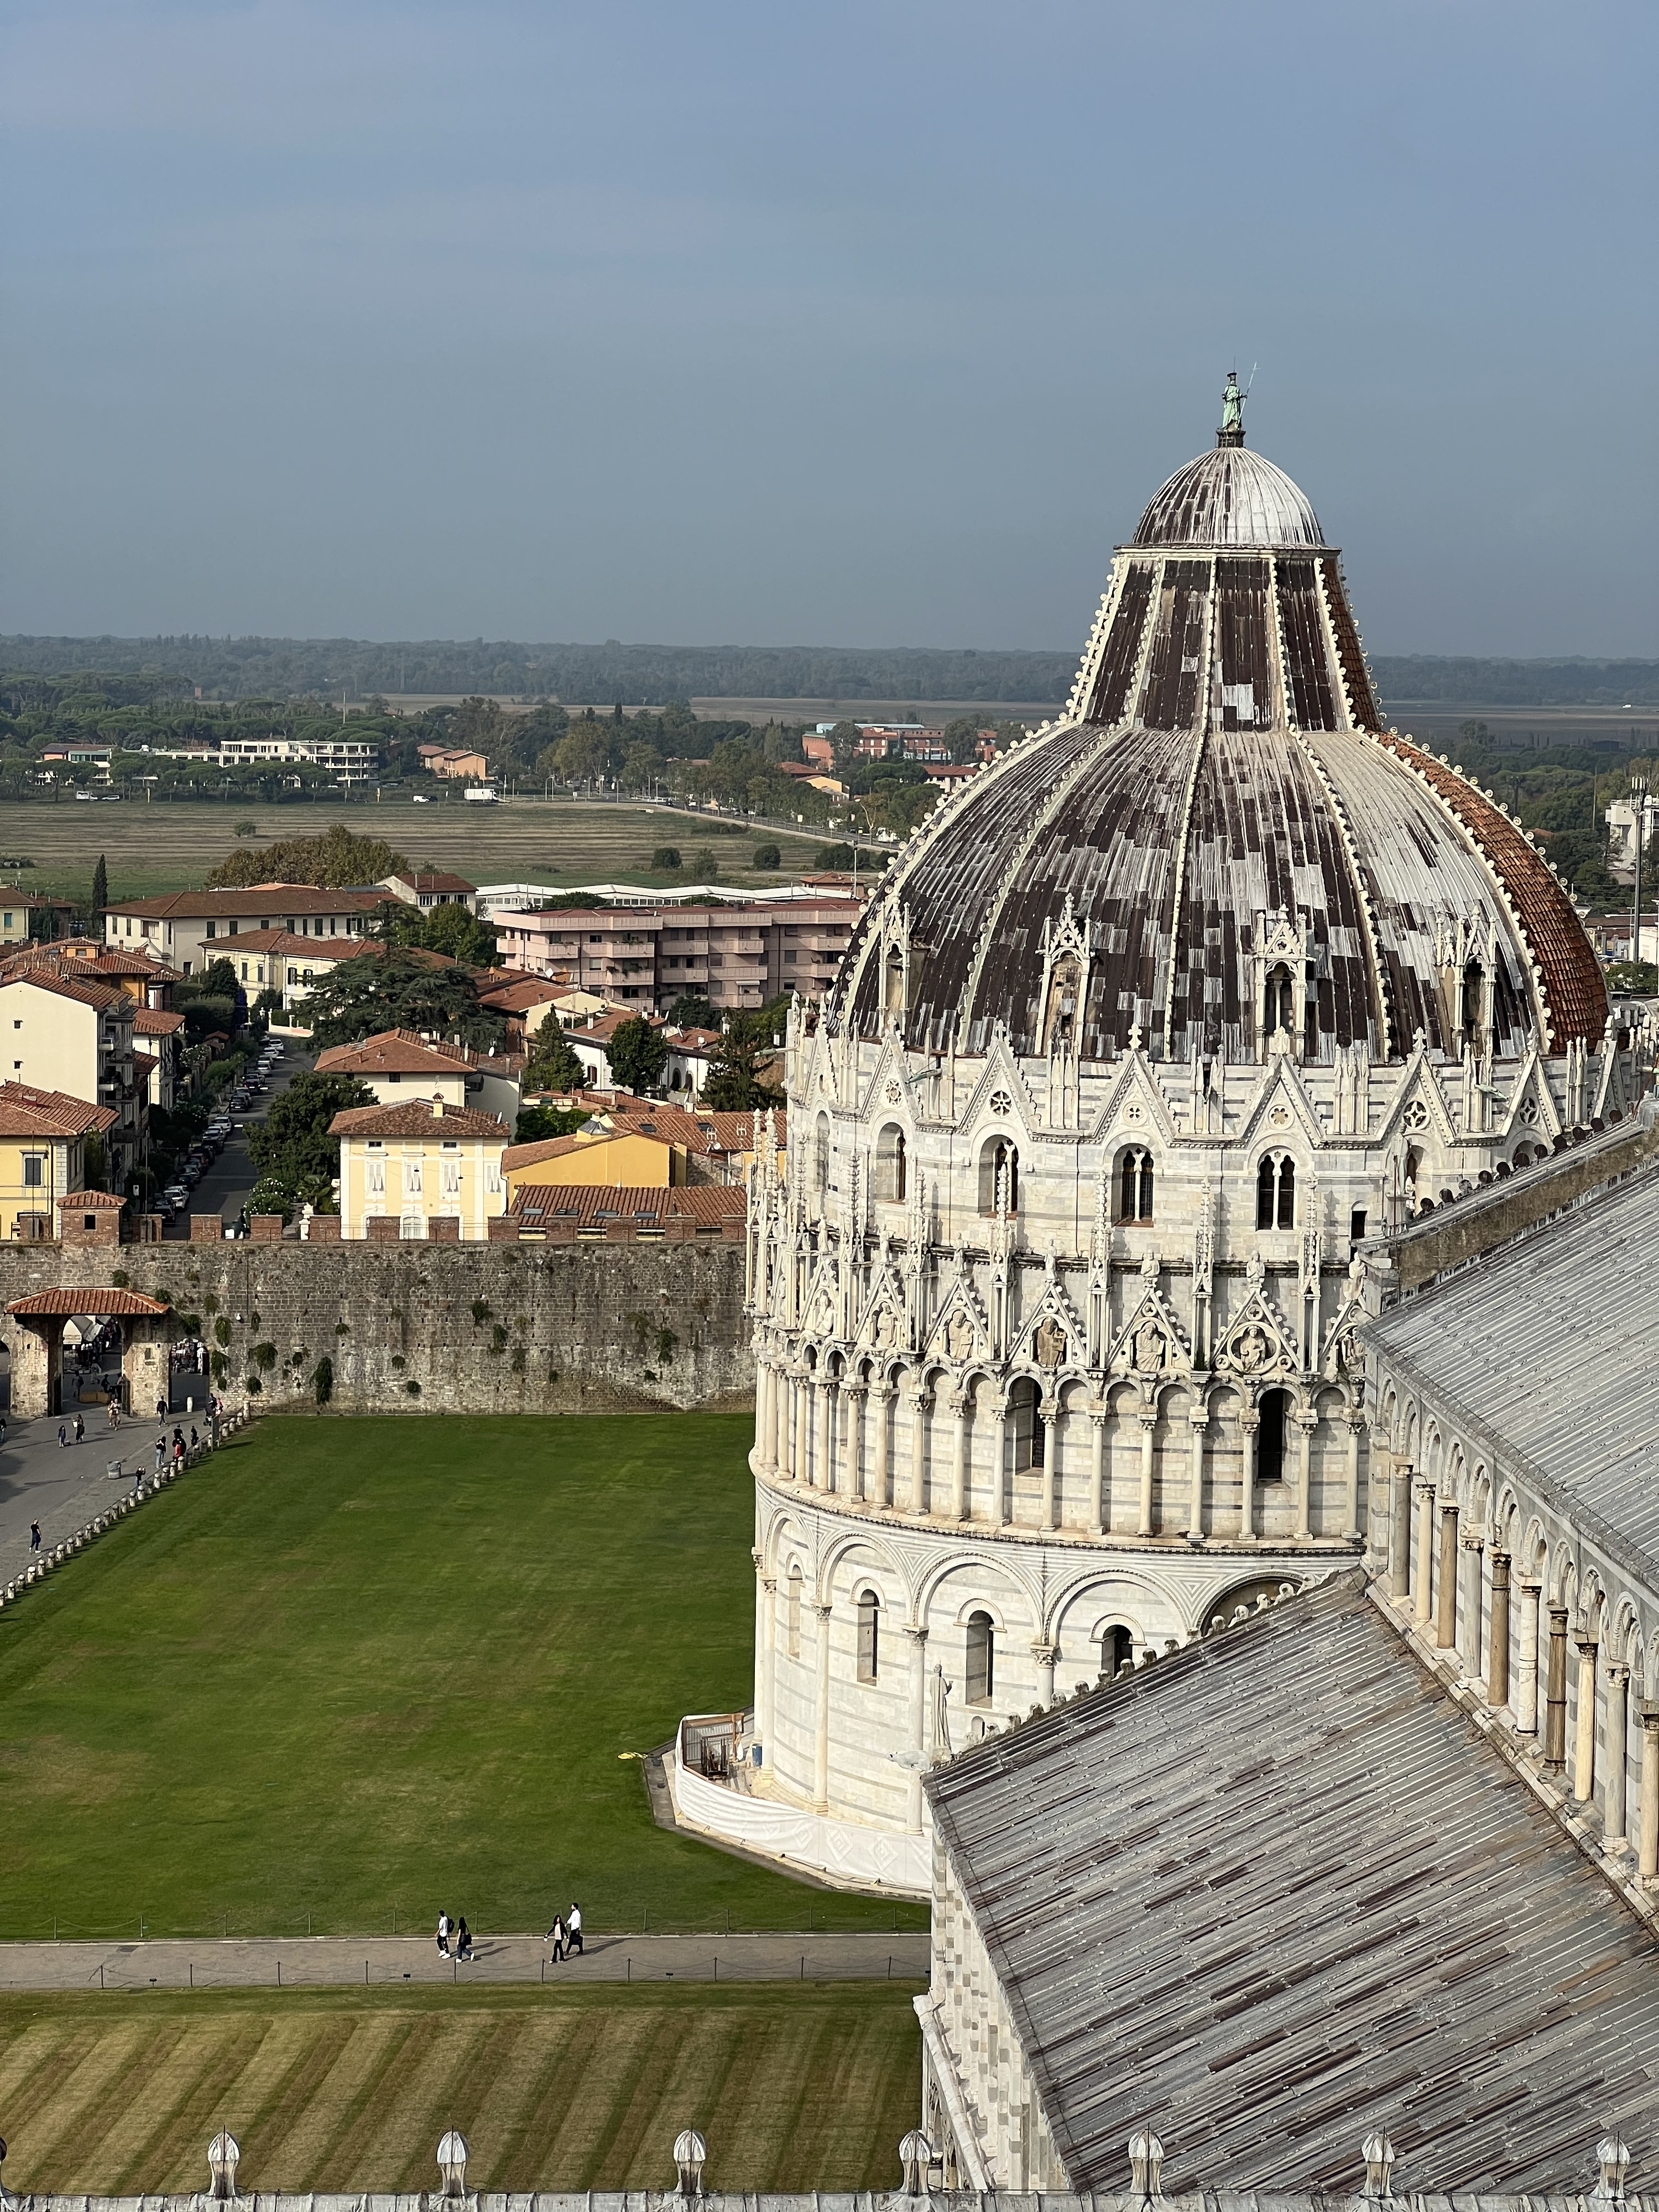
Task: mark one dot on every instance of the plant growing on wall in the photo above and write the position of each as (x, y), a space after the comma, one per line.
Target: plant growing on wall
(322, 1379)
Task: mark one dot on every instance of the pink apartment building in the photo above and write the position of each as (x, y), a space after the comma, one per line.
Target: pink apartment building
(648, 957)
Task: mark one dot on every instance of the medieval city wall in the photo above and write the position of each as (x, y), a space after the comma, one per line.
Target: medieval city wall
(464, 1328)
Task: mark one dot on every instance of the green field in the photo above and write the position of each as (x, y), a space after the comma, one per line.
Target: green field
(358, 1668)
(570, 2089)
(170, 847)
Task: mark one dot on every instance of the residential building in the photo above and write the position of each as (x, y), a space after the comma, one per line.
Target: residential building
(597, 1213)
(158, 1037)
(431, 888)
(523, 1002)
(1621, 818)
(690, 1055)
(72, 1036)
(911, 741)
(433, 1169)
(454, 764)
(23, 915)
(187, 928)
(618, 1155)
(43, 1155)
(398, 1065)
(646, 957)
(353, 760)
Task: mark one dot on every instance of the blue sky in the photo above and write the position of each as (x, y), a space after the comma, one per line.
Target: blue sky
(850, 324)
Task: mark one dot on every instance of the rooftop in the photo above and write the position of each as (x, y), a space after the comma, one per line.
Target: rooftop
(417, 1117)
(26, 1111)
(392, 1052)
(1278, 1889)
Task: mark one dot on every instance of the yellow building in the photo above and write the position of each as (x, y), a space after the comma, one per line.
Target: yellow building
(71, 1035)
(623, 1158)
(43, 1155)
(433, 1169)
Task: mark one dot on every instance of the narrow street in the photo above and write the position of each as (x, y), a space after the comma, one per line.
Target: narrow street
(225, 1187)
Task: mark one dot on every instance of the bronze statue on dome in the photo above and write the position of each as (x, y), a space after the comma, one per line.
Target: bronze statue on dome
(1232, 411)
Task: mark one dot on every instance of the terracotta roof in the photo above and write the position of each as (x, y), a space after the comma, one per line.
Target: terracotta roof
(439, 881)
(64, 1305)
(82, 989)
(417, 1117)
(26, 1111)
(594, 1206)
(153, 1021)
(279, 940)
(543, 1148)
(391, 1052)
(91, 1201)
(263, 899)
(519, 996)
(704, 1133)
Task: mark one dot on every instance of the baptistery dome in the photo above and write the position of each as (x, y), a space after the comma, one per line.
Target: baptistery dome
(1222, 782)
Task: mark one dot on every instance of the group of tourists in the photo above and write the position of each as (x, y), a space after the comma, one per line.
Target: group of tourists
(463, 1936)
(564, 1937)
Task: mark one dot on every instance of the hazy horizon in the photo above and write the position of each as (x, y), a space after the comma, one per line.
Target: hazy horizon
(544, 323)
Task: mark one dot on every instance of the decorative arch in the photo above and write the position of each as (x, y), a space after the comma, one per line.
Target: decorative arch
(1246, 1593)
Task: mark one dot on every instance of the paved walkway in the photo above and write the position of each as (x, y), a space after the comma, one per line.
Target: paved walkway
(321, 1961)
(63, 1486)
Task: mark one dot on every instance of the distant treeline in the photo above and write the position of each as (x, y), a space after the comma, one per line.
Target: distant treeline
(651, 675)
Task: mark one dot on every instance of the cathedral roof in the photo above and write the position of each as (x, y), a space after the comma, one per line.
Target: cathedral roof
(1280, 1887)
(1223, 777)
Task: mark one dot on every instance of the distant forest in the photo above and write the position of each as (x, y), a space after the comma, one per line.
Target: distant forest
(653, 675)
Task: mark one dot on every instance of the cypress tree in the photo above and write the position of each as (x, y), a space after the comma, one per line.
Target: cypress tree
(100, 889)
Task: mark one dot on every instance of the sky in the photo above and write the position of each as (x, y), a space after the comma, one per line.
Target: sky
(695, 321)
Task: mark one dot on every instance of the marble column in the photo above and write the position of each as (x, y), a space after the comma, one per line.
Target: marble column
(1498, 1647)
(999, 1464)
(1355, 1423)
(1526, 1712)
(957, 1406)
(821, 1748)
(826, 1469)
(1614, 1810)
(1148, 1440)
(853, 1398)
(883, 1441)
(919, 1717)
(1648, 1861)
(1047, 1656)
(765, 1416)
(1098, 1418)
(1307, 1420)
(919, 1404)
(1555, 1690)
(1250, 1427)
(1583, 1736)
(766, 1634)
(800, 1465)
(1473, 1547)
(1399, 1530)
(1199, 1423)
(1425, 1552)
(1050, 1431)
(1445, 1627)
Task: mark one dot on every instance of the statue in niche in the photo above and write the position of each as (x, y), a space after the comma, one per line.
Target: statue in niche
(1148, 1348)
(1052, 1345)
(1350, 1356)
(941, 1729)
(1251, 1350)
(885, 1328)
(959, 1336)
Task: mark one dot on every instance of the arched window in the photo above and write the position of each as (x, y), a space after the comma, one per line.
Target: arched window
(1473, 993)
(1275, 1192)
(1118, 1648)
(999, 1176)
(1026, 1425)
(1279, 1009)
(1274, 1409)
(890, 1162)
(1134, 1185)
(791, 1611)
(821, 1154)
(982, 1659)
(869, 1636)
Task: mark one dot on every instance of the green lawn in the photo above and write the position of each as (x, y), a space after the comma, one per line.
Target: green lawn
(350, 2090)
(354, 1669)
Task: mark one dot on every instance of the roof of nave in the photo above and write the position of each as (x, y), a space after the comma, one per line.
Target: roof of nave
(1531, 1350)
(1223, 760)
(1280, 1887)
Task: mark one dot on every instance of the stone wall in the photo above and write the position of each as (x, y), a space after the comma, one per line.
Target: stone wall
(460, 1329)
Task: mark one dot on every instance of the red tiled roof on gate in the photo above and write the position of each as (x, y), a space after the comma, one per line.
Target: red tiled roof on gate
(64, 1303)
(93, 1201)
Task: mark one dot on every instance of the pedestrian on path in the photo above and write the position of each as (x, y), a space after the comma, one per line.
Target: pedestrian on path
(3, 1428)
(195, 1441)
(464, 1942)
(138, 1479)
(35, 1535)
(161, 1453)
(113, 1415)
(575, 1928)
(161, 1409)
(555, 1937)
(443, 1933)
(80, 1429)
(63, 1434)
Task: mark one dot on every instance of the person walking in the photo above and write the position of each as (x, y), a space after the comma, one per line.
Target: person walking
(161, 1453)
(555, 1937)
(63, 1434)
(137, 1478)
(575, 1927)
(464, 1942)
(35, 1535)
(443, 1933)
(80, 1428)
(195, 1441)
(161, 1409)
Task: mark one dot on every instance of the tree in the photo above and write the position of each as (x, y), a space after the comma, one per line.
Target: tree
(537, 1123)
(459, 935)
(690, 1011)
(292, 1143)
(218, 979)
(704, 865)
(638, 1054)
(100, 889)
(400, 989)
(270, 1195)
(552, 1065)
(735, 1084)
(834, 856)
(843, 739)
(665, 856)
(247, 829)
(767, 856)
(962, 735)
(335, 858)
